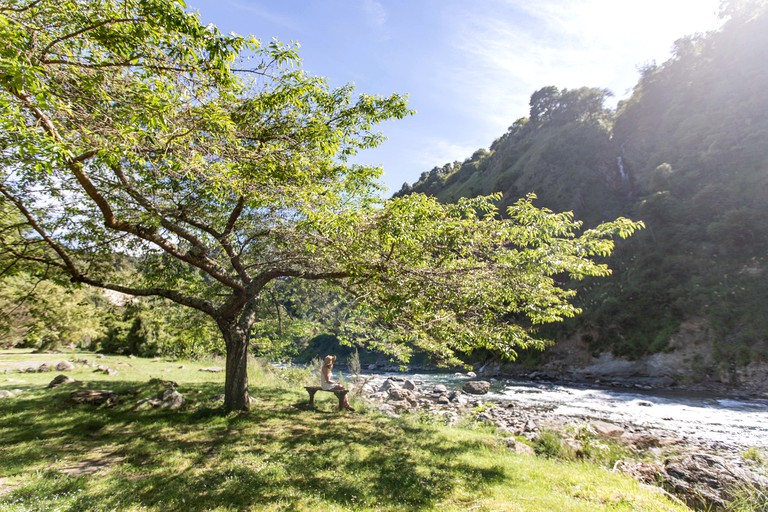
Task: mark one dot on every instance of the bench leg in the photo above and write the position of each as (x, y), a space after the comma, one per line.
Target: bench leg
(342, 396)
(311, 397)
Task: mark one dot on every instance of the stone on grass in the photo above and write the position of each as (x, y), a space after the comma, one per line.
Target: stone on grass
(165, 383)
(171, 399)
(212, 369)
(94, 397)
(64, 366)
(105, 370)
(61, 379)
(168, 398)
(518, 446)
(4, 393)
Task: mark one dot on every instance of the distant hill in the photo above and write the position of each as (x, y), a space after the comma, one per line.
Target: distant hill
(687, 153)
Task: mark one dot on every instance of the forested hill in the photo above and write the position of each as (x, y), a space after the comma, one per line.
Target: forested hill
(687, 153)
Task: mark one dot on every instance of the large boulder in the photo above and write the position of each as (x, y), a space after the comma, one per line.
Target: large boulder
(707, 482)
(477, 387)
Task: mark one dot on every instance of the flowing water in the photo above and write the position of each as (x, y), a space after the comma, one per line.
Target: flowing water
(699, 418)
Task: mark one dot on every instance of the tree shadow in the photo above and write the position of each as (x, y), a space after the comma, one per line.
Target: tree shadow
(200, 458)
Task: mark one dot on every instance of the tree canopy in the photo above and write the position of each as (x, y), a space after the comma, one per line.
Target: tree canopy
(131, 130)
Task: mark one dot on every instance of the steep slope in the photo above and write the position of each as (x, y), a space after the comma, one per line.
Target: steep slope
(687, 154)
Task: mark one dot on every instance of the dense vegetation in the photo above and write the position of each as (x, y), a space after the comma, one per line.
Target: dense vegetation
(688, 154)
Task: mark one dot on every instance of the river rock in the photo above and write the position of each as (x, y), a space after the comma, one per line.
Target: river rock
(646, 472)
(409, 384)
(390, 383)
(64, 366)
(471, 375)
(477, 387)
(439, 389)
(398, 394)
(400, 405)
(705, 481)
(443, 400)
(607, 430)
(59, 380)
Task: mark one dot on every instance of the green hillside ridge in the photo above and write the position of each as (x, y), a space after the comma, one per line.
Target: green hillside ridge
(692, 142)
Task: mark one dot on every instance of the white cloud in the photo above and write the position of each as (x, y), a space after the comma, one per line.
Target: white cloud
(510, 48)
(437, 152)
(376, 16)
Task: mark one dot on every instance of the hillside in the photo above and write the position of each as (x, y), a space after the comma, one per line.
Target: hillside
(687, 153)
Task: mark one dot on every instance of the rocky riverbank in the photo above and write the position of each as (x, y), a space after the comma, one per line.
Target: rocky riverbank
(700, 472)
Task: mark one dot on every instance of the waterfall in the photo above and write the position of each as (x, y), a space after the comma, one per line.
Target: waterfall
(622, 171)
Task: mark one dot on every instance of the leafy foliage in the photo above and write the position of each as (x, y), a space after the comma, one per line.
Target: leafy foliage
(43, 315)
(130, 130)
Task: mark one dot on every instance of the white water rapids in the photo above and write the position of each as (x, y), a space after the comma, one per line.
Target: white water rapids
(698, 418)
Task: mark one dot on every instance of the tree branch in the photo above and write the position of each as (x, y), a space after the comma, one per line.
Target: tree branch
(68, 263)
(179, 298)
(86, 29)
(21, 9)
(110, 219)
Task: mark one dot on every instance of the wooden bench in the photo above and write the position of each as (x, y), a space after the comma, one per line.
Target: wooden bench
(340, 394)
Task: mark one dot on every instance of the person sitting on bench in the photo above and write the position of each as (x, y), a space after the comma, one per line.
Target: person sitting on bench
(327, 382)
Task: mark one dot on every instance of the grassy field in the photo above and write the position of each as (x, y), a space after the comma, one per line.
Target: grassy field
(55, 455)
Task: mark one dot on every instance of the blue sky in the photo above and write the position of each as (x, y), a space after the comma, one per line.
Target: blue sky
(469, 67)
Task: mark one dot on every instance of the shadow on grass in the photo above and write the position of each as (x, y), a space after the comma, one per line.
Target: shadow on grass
(278, 455)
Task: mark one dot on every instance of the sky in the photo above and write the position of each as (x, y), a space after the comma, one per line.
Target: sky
(468, 67)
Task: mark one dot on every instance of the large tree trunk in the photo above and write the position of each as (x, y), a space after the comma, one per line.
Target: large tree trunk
(236, 380)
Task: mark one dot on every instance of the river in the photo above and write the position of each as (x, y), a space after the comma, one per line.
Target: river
(717, 422)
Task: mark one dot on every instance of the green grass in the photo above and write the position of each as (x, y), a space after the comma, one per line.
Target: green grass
(280, 456)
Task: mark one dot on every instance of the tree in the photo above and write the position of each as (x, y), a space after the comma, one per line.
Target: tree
(550, 105)
(129, 129)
